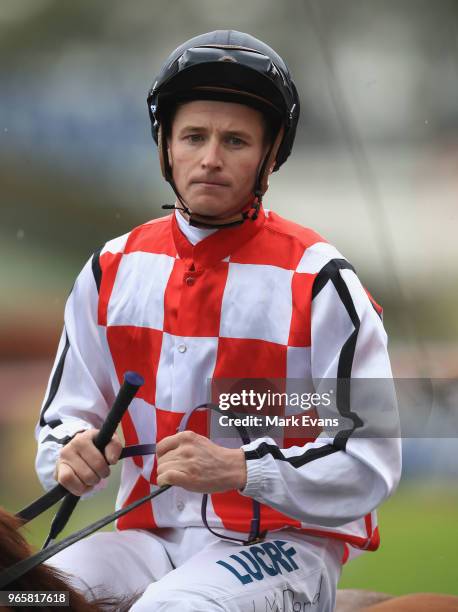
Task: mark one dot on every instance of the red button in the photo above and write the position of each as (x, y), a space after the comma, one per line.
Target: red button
(189, 280)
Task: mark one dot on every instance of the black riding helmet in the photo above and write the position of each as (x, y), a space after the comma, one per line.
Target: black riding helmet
(229, 66)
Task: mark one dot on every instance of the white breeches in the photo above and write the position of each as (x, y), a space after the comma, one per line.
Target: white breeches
(189, 570)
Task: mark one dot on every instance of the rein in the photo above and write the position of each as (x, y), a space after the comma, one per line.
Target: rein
(43, 503)
(131, 384)
(20, 568)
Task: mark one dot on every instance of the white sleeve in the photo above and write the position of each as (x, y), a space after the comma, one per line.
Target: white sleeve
(79, 390)
(337, 478)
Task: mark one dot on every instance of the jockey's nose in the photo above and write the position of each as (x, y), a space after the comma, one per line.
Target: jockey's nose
(212, 155)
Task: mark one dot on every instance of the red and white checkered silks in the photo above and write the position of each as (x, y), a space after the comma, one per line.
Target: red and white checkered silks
(238, 304)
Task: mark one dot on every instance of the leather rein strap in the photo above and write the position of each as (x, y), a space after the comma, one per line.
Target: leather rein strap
(20, 568)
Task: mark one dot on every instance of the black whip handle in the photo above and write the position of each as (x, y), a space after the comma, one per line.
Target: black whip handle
(130, 386)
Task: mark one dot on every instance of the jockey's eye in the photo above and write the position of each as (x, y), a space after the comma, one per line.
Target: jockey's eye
(235, 141)
(194, 138)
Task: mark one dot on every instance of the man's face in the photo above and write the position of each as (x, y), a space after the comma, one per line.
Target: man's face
(215, 150)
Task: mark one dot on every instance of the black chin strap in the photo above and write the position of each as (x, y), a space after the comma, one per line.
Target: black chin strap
(208, 222)
(183, 206)
(175, 207)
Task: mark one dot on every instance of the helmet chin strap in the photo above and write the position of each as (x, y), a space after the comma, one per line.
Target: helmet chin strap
(183, 206)
(209, 222)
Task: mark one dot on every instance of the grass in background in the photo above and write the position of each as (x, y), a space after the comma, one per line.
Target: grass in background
(419, 543)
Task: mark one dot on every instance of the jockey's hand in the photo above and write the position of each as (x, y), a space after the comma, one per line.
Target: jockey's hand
(195, 463)
(81, 466)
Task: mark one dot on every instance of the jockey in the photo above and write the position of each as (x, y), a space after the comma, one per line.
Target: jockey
(221, 290)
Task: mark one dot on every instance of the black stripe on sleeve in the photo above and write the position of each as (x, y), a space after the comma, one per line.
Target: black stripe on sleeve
(328, 272)
(54, 423)
(55, 382)
(96, 269)
(62, 441)
(310, 455)
(347, 353)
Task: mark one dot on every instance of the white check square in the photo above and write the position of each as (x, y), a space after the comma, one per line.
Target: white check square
(257, 303)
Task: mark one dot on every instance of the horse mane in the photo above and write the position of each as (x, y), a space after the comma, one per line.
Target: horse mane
(14, 548)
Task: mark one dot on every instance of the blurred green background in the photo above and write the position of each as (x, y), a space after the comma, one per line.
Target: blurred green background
(374, 170)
